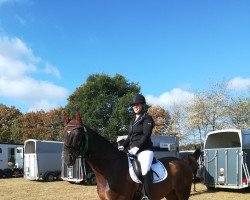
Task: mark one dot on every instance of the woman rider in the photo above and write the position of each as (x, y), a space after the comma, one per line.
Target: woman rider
(139, 140)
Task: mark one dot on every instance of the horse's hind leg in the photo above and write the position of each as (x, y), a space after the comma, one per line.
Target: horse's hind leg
(171, 196)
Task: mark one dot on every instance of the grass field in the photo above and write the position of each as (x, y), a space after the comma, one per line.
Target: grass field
(19, 188)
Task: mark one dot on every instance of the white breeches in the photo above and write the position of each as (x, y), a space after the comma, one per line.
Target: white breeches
(145, 158)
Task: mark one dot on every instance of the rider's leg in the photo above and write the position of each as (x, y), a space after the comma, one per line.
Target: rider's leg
(147, 183)
(145, 158)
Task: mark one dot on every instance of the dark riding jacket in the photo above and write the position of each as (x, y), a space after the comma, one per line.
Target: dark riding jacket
(139, 133)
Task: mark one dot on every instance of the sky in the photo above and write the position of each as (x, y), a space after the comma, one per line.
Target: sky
(171, 48)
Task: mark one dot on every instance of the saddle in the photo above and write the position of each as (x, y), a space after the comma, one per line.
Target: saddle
(159, 172)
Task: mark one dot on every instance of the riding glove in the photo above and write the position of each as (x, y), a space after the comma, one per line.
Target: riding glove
(133, 151)
(121, 148)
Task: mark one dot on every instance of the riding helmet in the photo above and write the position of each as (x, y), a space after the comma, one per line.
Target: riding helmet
(138, 98)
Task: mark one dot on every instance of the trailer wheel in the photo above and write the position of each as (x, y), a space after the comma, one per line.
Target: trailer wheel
(210, 187)
(92, 180)
(8, 173)
(49, 177)
(1, 173)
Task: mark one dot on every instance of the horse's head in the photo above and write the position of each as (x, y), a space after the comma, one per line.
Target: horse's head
(73, 139)
(192, 160)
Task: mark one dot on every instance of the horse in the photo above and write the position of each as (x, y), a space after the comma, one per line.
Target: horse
(191, 160)
(110, 166)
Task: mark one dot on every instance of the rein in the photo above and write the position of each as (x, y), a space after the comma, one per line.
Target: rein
(86, 146)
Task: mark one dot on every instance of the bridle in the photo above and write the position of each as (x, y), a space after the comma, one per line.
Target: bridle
(81, 149)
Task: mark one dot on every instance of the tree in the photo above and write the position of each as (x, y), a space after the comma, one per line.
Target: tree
(239, 113)
(8, 115)
(161, 118)
(215, 109)
(103, 103)
(40, 125)
(177, 123)
(54, 125)
(207, 111)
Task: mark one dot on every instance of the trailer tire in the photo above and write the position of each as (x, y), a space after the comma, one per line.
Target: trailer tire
(211, 188)
(8, 173)
(1, 173)
(49, 177)
(92, 180)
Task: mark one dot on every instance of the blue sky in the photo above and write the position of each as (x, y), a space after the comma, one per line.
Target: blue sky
(171, 48)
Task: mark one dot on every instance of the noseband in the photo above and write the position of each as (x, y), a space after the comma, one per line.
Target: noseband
(78, 150)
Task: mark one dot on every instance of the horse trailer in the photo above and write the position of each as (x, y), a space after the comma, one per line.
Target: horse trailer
(42, 159)
(80, 172)
(11, 159)
(163, 146)
(227, 159)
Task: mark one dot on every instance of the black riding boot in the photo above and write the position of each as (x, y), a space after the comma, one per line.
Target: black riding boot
(147, 182)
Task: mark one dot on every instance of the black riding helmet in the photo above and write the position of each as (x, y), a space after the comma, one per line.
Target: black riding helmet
(138, 98)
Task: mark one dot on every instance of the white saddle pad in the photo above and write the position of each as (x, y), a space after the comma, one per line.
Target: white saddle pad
(160, 175)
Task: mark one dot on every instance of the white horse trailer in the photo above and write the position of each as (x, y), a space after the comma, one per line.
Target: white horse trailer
(227, 159)
(163, 146)
(42, 159)
(80, 172)
(11, 159)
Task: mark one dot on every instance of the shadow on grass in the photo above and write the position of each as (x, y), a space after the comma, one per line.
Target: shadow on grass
(215, 190)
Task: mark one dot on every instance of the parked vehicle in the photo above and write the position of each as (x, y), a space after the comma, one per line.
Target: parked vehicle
(227, 159)
(80, 172)
(42, 159)
(11, 160)
(163, 146)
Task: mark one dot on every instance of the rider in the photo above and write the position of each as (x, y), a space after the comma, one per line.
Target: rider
(139, 141)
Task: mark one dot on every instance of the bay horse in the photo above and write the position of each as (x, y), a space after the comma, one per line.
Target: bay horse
(191, 160)
(110, 166)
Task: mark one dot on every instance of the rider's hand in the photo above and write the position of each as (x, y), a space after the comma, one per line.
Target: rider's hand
(133, 151)
(121, 148)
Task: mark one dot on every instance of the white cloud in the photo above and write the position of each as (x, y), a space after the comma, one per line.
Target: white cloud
(52, 70)
(17, 63)
(239, 83)
(13, 1)
(43, 104)
(167, 99)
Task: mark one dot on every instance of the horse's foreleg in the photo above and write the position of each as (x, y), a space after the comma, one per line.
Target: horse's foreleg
(194, 187)
(171, 196)
(194, 180)
(183, 192)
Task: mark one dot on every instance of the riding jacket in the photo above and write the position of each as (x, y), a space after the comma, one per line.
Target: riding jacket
(139, 133)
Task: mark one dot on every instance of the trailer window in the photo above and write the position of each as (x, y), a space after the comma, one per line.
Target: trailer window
(29, 147)
(19, 150)
(223, 140)
(0, 150)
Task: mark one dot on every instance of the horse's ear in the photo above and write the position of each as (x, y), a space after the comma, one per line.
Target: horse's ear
(78, 118)
(65, 117)
(197, 153)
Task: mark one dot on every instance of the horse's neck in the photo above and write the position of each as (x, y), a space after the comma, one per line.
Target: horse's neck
(103, 157)
(101, 147)
(101, 151)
